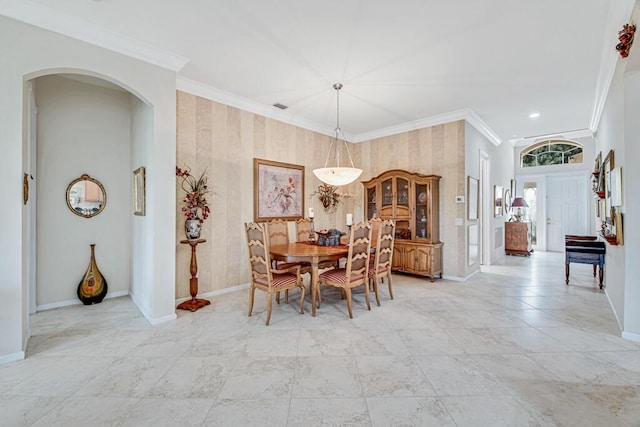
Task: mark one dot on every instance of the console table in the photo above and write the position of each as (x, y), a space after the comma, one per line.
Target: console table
(194, 303)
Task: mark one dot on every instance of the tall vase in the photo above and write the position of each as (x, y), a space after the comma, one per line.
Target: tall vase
(192, 228)
(93, 286)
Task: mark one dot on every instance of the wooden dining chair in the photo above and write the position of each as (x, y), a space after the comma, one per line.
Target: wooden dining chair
(356, 271)
(278, 231)
(375, 227)
(380, 265)
(263, 276)
(303, 229)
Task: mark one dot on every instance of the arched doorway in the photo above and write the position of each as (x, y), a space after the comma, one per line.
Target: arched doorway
(81, 123)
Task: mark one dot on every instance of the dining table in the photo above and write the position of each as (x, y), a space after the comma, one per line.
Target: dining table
(311, 253)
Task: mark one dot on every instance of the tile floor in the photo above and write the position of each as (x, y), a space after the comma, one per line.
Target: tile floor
(513, 346)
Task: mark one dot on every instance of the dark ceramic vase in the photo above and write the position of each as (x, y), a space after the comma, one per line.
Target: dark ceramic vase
(93, 286)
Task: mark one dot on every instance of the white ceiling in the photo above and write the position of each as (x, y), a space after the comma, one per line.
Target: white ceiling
(401, 62)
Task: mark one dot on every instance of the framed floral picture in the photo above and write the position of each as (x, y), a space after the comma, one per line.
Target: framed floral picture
(278, 190)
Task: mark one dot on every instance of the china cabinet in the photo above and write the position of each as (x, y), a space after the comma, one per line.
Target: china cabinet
(411, 200)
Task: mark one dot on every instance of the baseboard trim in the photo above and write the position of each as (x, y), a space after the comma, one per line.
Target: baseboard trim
(217, 292)
(152, 320)
(454, 278)
(614, 310)
(68, 303)
(631, 336)
(158, 320)
(471, 275)
(13, 357)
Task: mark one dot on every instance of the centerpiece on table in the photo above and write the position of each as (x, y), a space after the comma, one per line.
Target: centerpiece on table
(196, 208)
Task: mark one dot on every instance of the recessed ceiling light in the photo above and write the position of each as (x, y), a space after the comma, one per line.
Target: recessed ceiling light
(534, 115)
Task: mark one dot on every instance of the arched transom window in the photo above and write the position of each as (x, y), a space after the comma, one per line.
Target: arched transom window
(551, 152)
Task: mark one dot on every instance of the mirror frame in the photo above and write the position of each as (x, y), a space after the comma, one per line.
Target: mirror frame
(86, 177)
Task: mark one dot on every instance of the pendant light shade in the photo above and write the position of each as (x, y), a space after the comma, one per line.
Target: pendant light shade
(337, 175)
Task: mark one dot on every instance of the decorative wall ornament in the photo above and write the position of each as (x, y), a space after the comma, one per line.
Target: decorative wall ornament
(328, 196)
(625, 36)
(25, 188)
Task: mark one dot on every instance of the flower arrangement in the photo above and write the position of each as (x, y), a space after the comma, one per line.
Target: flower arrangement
(197, 190)
(328, 196)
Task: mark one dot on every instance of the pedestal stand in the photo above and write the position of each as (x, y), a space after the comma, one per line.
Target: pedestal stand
(194, 303)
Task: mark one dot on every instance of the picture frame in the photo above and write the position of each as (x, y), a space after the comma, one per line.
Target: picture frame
(616, 186)
(498, 200)
(619, 227)
(607, 166)
(507, 201)
(139, 196)
(278, 190)
(473, 198)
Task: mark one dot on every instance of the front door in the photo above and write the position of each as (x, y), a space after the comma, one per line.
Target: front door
(566, 209)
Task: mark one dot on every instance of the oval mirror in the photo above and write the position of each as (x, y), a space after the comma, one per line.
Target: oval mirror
(86, 196)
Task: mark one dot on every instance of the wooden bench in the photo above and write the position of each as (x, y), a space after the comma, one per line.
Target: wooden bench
(584, 250)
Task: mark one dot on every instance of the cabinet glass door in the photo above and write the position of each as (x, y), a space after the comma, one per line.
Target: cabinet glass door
(403, 231)
(371, 203)
(421, 211)
(402, 198)
(386, 208)
(387, 193)
(403, 192)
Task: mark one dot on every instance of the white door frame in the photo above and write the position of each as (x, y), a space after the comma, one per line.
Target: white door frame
(542, 214)
(30, 149)
(486, 204)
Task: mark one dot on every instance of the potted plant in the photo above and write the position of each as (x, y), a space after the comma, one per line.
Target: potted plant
(195, 208)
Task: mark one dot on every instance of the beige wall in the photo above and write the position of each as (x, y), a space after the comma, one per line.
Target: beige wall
(224, 140)
(435, 150)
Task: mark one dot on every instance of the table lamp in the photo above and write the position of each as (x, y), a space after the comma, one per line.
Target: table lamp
(519, 203)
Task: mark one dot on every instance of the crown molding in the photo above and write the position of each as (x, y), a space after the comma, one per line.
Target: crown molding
(464, 114)
(61, 23)
(619, 14)
(412, 125)
(482, 127)
(572, 134)
(196, 88)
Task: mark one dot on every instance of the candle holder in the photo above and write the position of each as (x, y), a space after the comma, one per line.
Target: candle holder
(312, 236)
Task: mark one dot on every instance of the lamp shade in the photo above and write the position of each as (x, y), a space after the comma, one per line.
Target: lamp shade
(519, 202)
(337, 175)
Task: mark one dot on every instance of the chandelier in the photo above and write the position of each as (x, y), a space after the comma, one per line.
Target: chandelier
(337, 174)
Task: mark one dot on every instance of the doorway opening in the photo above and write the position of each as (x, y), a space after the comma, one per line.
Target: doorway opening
(530, 193)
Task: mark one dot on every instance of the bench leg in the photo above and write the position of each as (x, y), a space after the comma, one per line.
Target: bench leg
(594, 270)
(566, 273)
(600, 276)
